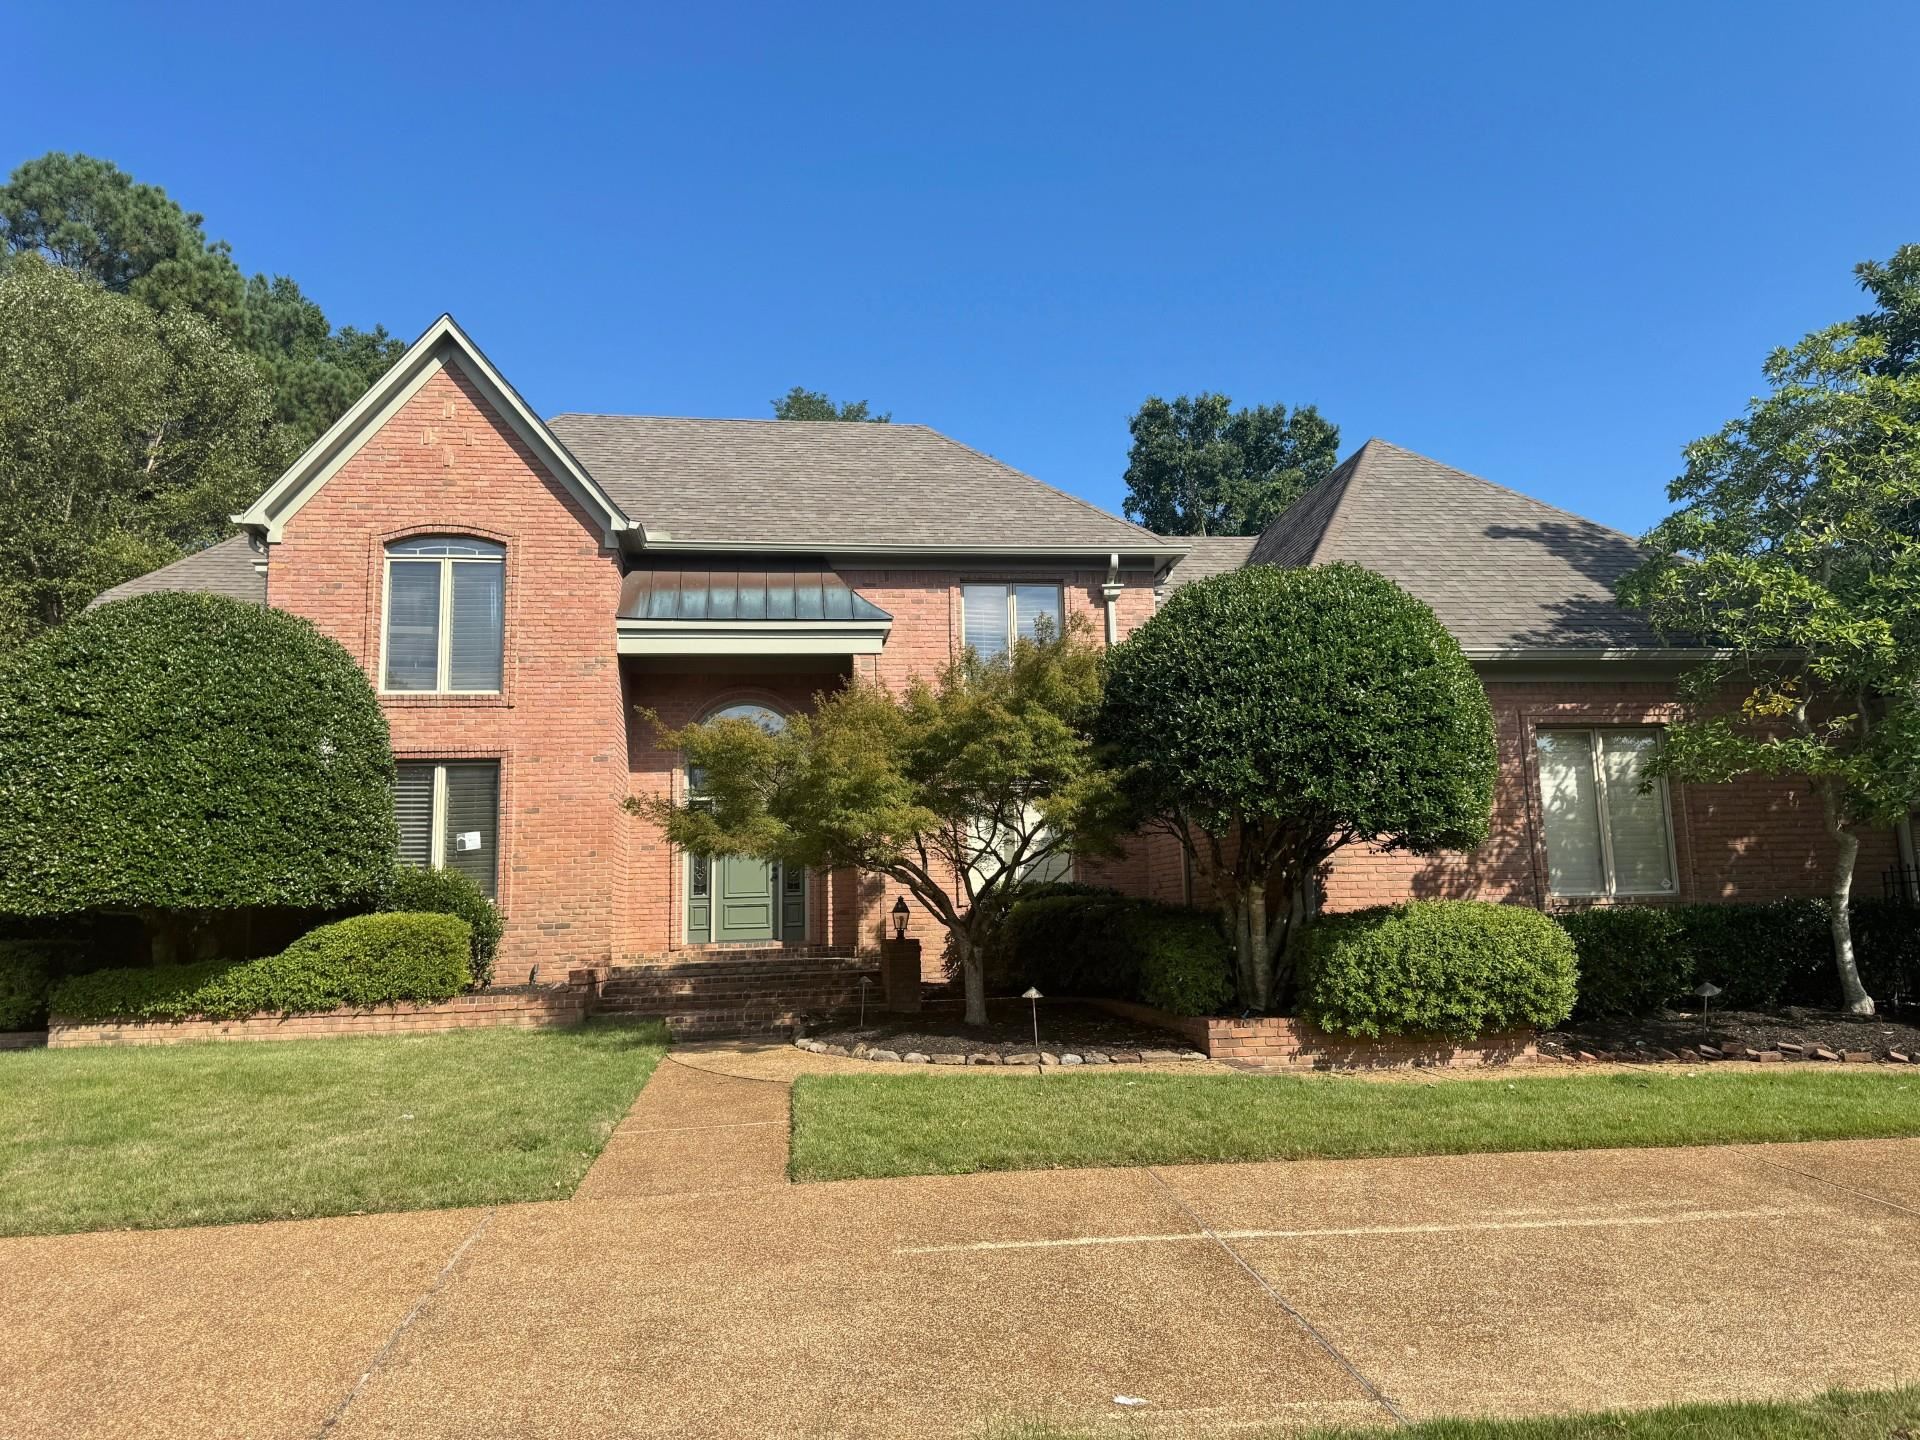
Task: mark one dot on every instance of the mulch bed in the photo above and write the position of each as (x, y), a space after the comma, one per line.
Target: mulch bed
(1066, 1027)
(1791, 1034)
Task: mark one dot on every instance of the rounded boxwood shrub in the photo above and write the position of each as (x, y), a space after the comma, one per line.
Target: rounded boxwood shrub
(1634, 959)
(366, 960)
(448, 892)
(1458, 968)
(181, 752)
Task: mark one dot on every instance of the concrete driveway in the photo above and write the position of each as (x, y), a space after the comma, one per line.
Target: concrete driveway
(687, 1290)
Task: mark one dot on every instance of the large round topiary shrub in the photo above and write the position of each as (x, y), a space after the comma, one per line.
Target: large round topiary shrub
(177, 753)
(1280, 714)
(1458, 968)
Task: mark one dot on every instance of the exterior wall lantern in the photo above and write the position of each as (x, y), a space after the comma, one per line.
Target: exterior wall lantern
(900, 917)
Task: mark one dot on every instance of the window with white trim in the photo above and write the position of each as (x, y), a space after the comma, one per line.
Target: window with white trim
(449, 816)
(992, 617)
(1608, 832)
(445, 616)
(992, 847)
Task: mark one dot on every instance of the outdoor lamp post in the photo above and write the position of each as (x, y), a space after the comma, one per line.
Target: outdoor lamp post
(900, 918)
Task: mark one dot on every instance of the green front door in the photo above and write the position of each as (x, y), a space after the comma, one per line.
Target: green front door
(735, 900)
(744, 904)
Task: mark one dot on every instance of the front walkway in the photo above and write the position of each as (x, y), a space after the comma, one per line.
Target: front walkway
(687, 1290)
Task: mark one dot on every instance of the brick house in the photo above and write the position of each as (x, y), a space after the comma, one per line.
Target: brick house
(519, 591)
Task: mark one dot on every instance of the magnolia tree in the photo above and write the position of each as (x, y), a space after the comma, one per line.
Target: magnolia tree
(957, 789)
(1266, 718)
(1795, 554)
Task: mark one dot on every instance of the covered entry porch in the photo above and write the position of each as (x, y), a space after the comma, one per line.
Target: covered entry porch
(758, 643)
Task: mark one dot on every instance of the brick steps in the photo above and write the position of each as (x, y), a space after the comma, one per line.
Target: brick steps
(739, 993)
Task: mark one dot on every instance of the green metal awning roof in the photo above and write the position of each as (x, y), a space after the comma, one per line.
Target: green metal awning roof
(801, 608)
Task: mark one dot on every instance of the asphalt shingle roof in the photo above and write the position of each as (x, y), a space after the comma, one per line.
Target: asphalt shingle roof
(826, 484)
(1500, 569)
(225, 568)
(1207, 556)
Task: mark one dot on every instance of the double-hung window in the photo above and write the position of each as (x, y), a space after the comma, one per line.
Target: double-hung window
(445, 615)
(449, 818)
(992, 617)
(1608, 832)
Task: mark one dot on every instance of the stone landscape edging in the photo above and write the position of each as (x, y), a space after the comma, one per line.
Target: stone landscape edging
(1004, 1055)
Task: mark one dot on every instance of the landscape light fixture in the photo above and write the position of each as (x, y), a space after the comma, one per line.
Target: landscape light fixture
(900, 917)
(1706, 990)
(1033, 998)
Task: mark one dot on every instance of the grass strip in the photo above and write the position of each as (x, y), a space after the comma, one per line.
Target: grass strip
(864, 1127)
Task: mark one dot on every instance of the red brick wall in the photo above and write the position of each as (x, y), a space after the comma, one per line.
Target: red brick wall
(1752, 839)
(447, 463)
(518, 1009)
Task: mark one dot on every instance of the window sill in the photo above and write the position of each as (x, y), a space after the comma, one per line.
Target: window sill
(437, 700)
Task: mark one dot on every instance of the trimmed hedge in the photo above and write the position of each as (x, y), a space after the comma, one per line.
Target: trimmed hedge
(448, 892)
(1633, 959)
(1636, 959)
(1108, 945)
(1436, 967)
(367, 960)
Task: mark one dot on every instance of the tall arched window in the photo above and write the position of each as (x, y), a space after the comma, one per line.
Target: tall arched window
(768, 719)
(445, 615)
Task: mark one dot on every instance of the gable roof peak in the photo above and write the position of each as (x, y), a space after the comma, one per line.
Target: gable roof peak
(439, 343)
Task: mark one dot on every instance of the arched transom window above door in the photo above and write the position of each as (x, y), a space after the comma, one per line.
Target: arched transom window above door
(765, 716)
(445, 616)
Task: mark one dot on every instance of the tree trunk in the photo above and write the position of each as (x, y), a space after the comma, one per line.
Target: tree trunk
(1256, 970)
(165, 935)
(973, 978)
(1853, 995)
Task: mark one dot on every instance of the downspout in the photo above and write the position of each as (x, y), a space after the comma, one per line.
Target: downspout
(1111, 593)
(1909, 870)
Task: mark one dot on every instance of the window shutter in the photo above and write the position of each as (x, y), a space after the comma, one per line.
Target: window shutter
(1570, 811)
(473, 812)
(1636, 822)
(1033, 604)
(413, 809)
(474, 633)
(983, 611)
(413, 625)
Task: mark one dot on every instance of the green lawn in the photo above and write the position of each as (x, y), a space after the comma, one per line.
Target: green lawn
(852, 1127)
(1839, 1415)
(208, 1133)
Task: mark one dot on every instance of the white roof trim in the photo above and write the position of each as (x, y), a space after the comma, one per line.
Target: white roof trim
(753, 637)
(425, 358)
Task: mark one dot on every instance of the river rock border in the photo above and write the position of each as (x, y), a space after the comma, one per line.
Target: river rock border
(1066, 1058)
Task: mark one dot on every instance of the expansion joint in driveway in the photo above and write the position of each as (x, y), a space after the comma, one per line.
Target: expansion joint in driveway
(1379, 1396)
(381, 1356)
(1832, 1184)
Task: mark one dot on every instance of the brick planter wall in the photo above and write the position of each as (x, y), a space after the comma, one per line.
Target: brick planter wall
(1281, 1043)
(534, 1009)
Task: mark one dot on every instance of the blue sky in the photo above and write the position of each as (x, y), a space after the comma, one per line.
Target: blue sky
(1548, 244)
